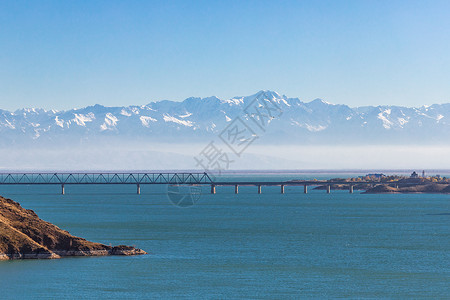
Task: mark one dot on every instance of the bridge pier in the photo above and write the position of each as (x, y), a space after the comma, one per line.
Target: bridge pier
(350, 189)
(213, 189)
(62, 189)
(236, 189)
(282, 188)
(138, 189)
(259, 189)
(328, 189)
(305, 189)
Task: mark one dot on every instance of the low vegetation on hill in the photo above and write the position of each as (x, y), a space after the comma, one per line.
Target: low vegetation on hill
(432, 188)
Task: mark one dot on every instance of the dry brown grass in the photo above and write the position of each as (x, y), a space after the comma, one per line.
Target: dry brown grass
(432, 188)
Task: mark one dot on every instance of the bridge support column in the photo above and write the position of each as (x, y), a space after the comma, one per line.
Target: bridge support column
(138, 189)
(213, 189)
(328, 189)
(350, 189)
(282, 188)
(305, 189)
(62, 189)
(259, 189)
(236, 189)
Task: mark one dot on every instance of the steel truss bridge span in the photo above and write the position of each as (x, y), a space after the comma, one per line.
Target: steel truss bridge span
(104, 178)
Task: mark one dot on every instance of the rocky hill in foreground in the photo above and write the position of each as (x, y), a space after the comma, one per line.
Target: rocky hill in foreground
(24, 235)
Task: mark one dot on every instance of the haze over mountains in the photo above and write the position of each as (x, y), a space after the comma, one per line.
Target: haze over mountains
(199, 120)
(286, 133)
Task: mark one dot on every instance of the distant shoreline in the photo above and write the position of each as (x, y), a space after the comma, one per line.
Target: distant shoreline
(393, 184)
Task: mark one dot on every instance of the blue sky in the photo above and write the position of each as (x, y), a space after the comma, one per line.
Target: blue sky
(63, 54)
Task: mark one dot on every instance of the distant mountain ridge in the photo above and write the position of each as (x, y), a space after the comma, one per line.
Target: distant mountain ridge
(200, 119)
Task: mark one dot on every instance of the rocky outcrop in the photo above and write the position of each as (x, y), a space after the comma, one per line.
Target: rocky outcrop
(432, 188)
(382, 189)
(24, 235)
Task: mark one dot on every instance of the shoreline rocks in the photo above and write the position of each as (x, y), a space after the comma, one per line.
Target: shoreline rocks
(432, 188)
(23, 235)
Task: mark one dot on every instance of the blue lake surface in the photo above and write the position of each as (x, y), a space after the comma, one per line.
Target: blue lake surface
(239, 246)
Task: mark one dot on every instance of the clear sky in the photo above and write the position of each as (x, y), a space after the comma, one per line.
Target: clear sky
(63, 54)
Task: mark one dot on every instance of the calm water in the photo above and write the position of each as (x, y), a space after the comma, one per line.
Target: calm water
(239, 246)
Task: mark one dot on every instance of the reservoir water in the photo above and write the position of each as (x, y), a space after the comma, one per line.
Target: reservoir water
(239, 246)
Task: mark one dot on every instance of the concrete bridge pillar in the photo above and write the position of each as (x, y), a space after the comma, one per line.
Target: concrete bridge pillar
(213, 189)
(259, 189)
(236, 189)
(328, 189)
(282, 188)
(138, 189)
(350, 189)
(62, 189)
(305, 189)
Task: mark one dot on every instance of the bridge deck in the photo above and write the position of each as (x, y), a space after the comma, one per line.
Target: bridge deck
(162, 178)
(151, 178)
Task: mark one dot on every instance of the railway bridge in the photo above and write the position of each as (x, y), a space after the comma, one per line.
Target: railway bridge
(149, 178)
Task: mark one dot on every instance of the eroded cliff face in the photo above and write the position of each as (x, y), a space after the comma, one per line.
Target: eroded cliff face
(24, 235)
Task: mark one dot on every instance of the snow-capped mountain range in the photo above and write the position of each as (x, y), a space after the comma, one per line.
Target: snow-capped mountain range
(201, 119)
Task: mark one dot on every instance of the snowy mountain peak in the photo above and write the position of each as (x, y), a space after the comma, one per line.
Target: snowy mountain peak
(319, 101)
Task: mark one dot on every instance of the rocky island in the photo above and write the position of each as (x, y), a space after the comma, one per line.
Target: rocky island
(393, 184)
(24, 235)
(426, 188)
